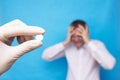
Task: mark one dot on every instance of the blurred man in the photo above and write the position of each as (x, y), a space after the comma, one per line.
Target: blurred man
(84, 55)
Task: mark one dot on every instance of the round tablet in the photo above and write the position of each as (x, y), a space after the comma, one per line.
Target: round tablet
(39, 37)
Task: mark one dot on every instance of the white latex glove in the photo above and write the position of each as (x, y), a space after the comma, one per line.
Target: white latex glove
(9, 54)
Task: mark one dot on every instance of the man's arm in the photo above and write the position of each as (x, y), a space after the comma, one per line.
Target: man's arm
(58, 50)
(54, 52)
(101, 54)
(97, 50)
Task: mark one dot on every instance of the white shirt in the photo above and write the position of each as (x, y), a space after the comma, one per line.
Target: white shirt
(83, 63)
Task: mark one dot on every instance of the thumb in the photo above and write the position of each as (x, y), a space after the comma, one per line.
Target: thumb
(26, 47)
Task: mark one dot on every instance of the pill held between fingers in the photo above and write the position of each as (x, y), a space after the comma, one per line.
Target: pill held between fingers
(39, 37)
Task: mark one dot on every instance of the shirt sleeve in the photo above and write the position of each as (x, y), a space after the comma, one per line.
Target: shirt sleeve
(101, 54)
(54, 52)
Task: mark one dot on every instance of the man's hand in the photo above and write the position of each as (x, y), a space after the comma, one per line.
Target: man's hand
(9, 54)
(84, 33)
(68, 39)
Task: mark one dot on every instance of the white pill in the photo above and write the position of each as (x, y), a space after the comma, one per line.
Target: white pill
(39, 37)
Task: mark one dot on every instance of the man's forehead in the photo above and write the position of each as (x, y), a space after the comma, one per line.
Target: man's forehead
(74, 27)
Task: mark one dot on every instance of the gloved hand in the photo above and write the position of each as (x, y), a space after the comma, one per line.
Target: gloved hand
(9, 54)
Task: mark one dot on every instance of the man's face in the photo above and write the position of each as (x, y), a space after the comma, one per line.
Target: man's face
(76, 39)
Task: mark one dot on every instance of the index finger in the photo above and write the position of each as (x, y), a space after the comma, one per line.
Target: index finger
(21, 31)
(71, 29)
(81, 27)
(18, 28)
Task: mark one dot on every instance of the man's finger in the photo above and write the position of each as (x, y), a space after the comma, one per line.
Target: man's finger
(81, 27)
(71, 29)
(79, 30)
(78, 33)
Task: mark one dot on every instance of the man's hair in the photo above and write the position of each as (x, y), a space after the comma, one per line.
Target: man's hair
(76, 23)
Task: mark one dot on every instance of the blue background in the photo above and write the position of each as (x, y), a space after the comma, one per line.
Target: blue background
(55, 16)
